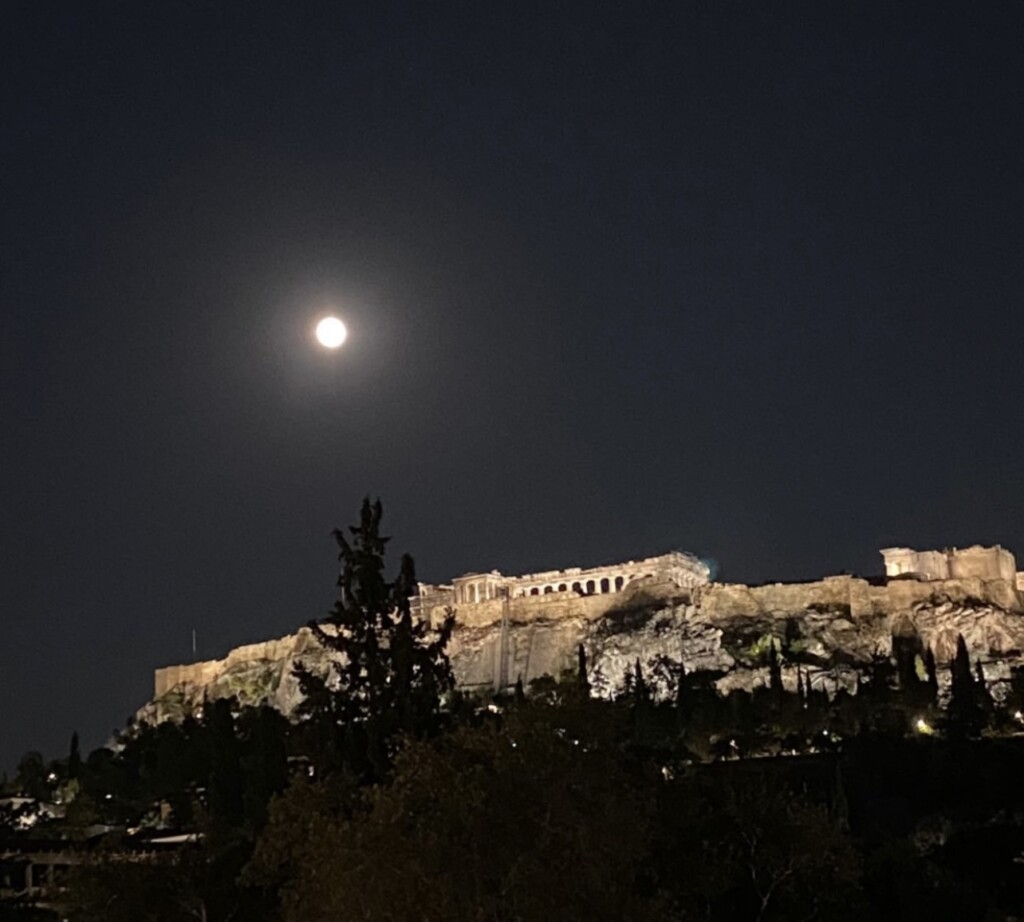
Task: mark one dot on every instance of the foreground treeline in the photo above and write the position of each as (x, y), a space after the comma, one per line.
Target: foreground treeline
(394, 798)
(555, 807)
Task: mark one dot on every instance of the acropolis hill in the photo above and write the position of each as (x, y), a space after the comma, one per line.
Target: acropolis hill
(525, 627)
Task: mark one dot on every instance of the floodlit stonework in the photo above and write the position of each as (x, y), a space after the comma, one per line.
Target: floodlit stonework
(952, 563)
(525, 627)
(480, 598)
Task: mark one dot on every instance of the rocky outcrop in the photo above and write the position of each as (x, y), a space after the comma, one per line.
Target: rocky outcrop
(831, 630)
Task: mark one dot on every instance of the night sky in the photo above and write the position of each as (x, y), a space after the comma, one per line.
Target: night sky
(743, 279)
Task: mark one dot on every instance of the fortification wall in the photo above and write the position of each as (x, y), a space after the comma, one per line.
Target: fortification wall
(194, 674)
(852, 596)
(900, 595)
(208, 671)
(728, 600)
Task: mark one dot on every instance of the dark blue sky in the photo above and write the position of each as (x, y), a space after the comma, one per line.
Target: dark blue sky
(737, 278)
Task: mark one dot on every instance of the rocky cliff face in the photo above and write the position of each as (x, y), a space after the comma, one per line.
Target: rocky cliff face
(831, 629)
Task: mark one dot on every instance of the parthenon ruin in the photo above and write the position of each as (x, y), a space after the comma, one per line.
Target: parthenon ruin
(478, 596)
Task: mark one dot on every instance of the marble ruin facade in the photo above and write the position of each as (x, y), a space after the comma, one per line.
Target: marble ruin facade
(977, 562)
(480, 598)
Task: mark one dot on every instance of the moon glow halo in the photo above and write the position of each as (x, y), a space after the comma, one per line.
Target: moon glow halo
(331, 332)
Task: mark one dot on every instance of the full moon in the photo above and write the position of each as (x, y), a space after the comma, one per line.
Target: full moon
(331, 332)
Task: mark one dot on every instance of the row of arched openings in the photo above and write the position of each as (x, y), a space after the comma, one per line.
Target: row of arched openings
(584, 587)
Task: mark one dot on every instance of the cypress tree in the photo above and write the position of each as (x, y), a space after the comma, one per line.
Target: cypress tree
(640, 698)
(774, 669)
(225, 781)
(965, 717)
(390, 672)
(682, 696)
(930, 671)
(983, 696)
(582, 681)
(905, 648)
(74, 757)
(641, 693)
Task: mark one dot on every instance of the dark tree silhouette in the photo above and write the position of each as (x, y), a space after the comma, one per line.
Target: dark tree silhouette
(582, 681)
(774, 669)
(636, 687)
(225, 784)
(74, 758)
(966, 716)
(389, 671)
(683, 696)
(932, 674)
(982, 695)
(31, 778)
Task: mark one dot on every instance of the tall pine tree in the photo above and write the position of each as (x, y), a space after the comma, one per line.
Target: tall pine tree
(388, 670)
